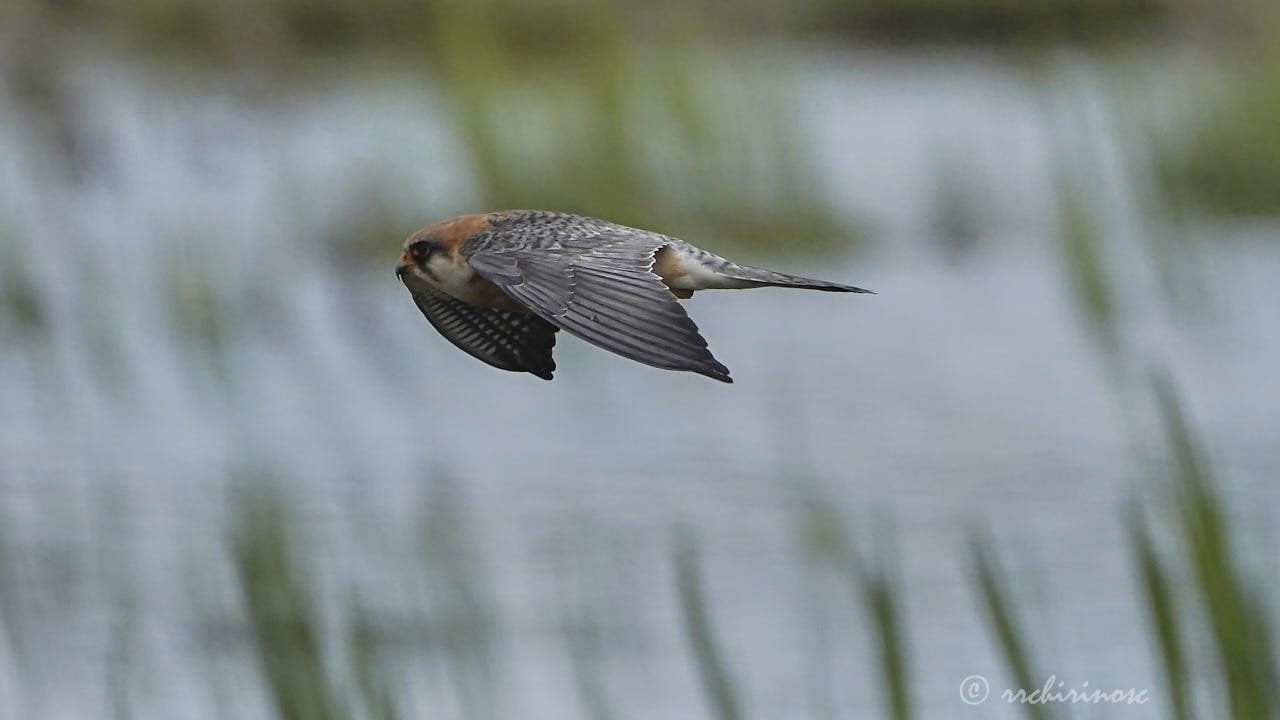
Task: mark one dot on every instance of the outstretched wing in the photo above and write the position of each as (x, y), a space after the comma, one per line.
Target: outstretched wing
(595, 280)
(510, 341)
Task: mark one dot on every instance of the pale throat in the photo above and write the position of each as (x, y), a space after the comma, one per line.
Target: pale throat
(450, 274)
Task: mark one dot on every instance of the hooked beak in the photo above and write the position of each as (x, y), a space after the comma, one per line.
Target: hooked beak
(403, 266)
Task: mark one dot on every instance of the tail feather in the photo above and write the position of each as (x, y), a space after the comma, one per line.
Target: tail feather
(758, 277)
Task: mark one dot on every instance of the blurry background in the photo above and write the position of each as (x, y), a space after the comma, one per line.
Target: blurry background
(240, 476)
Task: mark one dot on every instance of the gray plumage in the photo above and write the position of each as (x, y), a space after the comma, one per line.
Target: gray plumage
(617, 287)
(593, 279)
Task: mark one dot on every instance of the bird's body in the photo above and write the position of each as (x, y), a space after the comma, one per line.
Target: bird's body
(500, 285)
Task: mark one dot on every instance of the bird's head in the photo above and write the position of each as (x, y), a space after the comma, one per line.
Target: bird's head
(417, 251)
(414, 265)
(430, 257)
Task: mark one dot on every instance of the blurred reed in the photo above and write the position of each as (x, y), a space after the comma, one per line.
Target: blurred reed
(1190, 575)
(220, 29)
(23, 315)
(655, 133)
(589, 119)
(654, 117)
(717, 681)
(1239, 619)
(1085, 263)
(1227, 160)
(1031, 22)
(283, 619)
(1011, 639)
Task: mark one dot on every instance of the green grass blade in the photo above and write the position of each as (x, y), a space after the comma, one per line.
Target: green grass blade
(462, 604)
(281, 613)
(1162, 610)
(1240, 629)
(880, 596)
(377, 698)
(582, 636)
(1084, 260)
(998, 603)
(712, 669)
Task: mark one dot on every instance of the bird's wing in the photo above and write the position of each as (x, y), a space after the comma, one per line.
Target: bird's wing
(510, 341)
(596, 281)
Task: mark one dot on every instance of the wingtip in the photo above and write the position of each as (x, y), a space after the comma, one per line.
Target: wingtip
(545, 371)
(716, 372)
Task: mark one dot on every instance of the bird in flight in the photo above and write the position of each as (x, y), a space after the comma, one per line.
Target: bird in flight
(500, 285)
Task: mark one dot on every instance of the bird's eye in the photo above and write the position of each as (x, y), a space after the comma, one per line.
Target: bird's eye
(422, 249)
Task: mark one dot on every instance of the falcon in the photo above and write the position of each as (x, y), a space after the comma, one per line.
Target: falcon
(500, 285)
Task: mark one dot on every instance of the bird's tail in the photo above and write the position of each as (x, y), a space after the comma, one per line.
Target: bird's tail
(759, 277)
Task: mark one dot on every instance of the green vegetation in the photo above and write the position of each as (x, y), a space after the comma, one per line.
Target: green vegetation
(1228, 161)
(993, 21)
(227, 29)
(1190, 580)
(708, 659)
(661, 115)
(877, 587)
(1084, 261)
(610, 127)
(637, 137)
(611, 110)
(1007, 632)
(281, 614)
(1239, 622)
(22, 311)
